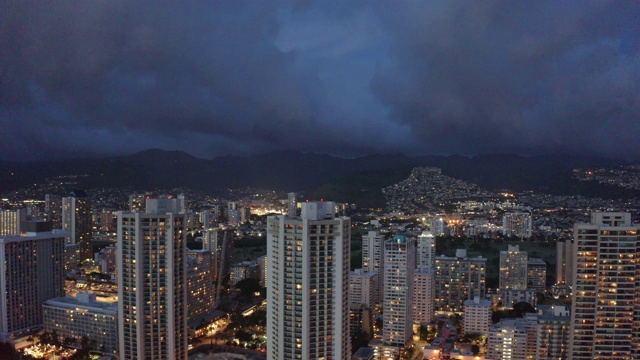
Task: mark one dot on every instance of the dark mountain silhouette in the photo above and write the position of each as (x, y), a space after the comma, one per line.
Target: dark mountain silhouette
(350, 180)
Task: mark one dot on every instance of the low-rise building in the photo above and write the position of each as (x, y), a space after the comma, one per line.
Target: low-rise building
(83, 316)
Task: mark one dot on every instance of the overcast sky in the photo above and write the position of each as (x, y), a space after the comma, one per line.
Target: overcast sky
(347, 78)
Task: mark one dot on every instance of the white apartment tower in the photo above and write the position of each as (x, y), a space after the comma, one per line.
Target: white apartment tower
(399, 265)
(477, 316)
(362, 287)
(517, 224)
(605, 309)
(308, 284)
(426, 249)
(513, 269)
(152, 291)
(423, 295)
(373, 259)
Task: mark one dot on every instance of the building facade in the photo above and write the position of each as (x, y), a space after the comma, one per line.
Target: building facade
(373, 259)
(458, 279)
(199, 283)
(605, 308)
(308, 284)
(477, 316)
(513, 269)
(32, 272)
(424, 294)
(152, 291)
(517, 224)
(399, 265)
(81, 316)
(363, 287)
(536, 275)
(77, 220)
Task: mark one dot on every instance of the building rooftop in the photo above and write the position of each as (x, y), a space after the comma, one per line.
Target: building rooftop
(73, 303)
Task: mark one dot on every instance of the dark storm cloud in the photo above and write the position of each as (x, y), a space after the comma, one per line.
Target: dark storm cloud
(347, 78)
(471, 76)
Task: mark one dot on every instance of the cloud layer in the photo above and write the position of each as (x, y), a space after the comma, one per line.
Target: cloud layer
(345, 78)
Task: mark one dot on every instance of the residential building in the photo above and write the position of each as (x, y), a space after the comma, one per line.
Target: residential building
(517, 224)
(553, 332)
(477, 316)
(308, 284)
(564, 264)
(537, 275)
(152, 291)
(399, 265)
(373, 259)
(11, 221)
(605, 308)
(423, 294)
(507, 340)
(263, 270)
(199, 283)
(32, 272)
(53, 210)
(243, 270)
(76, 219)
(426, 250)
(363, 287)
(513, 269)
(457, 279)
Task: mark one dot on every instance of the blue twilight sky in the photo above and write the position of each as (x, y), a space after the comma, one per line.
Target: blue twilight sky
(347, 78)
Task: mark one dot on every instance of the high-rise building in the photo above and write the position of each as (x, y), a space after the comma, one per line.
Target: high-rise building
(199, 284)
(605, 308)
(517, 224)
(363, 287)
(507, 340)
(292, 205)
(76, 219)
(437, 226)
(513, 269)
(138, 202)
(424, 294)
(373, 259)
(552, 332)
(399, 265)
(243, 270)
(477, 316)
(564, 263)
(426, 249)
(263, 270)
(457, 279)
(32, 272)
(152, 291)
(536, 274)
(308, 284)
(11, 221)
(53, 210)
(164, 203)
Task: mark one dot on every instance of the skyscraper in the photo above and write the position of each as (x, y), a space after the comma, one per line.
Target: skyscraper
(513, 269)
(32, 272)
(152, 291)
(76, 219)
(373, 260)
(11, 221)
(308, 284)
(399, 265)
(605, 309)
(426, 249)
(517, 224)
(458, 279)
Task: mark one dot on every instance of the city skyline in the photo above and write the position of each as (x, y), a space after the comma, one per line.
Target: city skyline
(347, 79)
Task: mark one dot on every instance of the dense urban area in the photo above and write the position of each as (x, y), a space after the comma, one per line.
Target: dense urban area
(446, 270)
